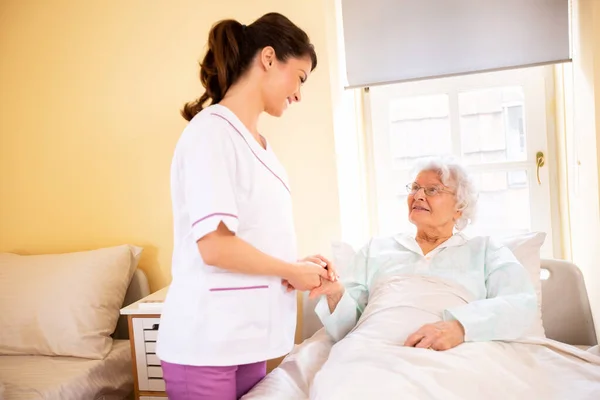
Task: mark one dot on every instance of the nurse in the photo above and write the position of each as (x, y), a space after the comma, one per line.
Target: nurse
(231, 305)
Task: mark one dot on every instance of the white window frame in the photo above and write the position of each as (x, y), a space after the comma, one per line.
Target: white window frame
(538, 83)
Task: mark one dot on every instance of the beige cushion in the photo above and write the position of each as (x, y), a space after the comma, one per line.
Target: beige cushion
(63, 304)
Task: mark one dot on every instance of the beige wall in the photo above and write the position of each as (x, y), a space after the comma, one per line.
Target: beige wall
(89, 118)
(596, 50)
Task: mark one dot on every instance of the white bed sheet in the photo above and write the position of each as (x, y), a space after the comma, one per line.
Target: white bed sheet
(370, 362)
(67, 378)
(293, 379)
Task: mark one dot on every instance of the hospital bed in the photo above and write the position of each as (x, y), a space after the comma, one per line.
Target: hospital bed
(566, 316)
(566, 312)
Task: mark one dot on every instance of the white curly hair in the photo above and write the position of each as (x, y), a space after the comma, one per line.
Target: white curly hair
(453, 174)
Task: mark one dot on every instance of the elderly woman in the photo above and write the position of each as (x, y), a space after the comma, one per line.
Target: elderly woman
(498, 299)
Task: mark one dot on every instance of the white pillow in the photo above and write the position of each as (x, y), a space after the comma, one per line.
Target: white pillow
(342, 255)
(63, 304)
(526, 248)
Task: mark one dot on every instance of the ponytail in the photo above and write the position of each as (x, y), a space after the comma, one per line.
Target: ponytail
(220, 67)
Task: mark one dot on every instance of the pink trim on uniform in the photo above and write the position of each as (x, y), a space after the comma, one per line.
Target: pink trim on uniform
(255, 155)
(214, 215)
(239, 288)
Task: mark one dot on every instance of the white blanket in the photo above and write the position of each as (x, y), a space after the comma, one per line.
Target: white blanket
(371, 363)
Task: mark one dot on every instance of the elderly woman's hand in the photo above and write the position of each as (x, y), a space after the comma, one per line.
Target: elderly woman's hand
(442, 335)
(327, 288)
(333, 291)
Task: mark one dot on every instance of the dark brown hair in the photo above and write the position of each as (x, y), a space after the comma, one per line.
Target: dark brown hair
(232, 47)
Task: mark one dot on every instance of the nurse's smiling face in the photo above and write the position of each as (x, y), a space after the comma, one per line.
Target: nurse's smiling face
(283, 82)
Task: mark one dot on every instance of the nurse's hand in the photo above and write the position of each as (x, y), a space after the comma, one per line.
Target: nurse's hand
(332, 274)
(306, 275)
(442, 335)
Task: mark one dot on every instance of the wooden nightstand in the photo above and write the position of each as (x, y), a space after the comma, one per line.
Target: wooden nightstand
(143, 324)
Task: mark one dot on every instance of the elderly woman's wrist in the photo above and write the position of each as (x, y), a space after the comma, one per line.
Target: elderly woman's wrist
(337, 295)
(459, 326)
(333, 299)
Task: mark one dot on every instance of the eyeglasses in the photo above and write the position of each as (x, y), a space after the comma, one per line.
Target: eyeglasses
(430, 191)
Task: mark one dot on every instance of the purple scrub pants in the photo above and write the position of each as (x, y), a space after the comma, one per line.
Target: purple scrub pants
(186, 382)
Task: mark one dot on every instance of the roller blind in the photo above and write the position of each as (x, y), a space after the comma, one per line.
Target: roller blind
(387, 41)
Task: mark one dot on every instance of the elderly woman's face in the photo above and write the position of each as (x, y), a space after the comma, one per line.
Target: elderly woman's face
(435, 211)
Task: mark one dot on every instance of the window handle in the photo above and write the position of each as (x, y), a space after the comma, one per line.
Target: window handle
(540, 160)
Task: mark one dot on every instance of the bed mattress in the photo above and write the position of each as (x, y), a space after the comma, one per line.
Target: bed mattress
(67, 378)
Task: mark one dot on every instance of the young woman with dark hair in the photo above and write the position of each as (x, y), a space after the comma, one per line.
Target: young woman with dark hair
(231, 304)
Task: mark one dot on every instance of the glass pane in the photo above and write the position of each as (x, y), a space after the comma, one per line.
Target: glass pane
(395, 219)
(393, 209)
(492, 125)
(504, 204)
(419, 127)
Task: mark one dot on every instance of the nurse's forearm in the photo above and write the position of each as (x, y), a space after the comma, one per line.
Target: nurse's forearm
(223, 249)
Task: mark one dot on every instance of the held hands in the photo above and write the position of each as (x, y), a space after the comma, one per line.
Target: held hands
(442, 335)
(328, 288)
(309, 272)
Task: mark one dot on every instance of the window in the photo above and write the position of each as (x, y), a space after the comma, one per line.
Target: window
(495, 122)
